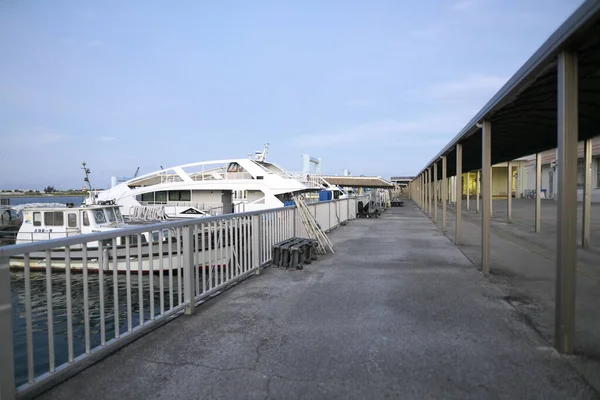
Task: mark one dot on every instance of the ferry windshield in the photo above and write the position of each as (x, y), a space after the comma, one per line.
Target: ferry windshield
(110, 214)
(118, 214)
(99, 217)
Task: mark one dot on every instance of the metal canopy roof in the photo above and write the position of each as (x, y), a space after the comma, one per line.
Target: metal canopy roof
(359, 181)
(523, 113)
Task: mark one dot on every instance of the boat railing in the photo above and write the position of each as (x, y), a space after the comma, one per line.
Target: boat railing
(72, 301)
(220, 175)
(310, 180)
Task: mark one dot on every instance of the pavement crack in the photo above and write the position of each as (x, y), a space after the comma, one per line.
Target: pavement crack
(259, 348)
(188, 363)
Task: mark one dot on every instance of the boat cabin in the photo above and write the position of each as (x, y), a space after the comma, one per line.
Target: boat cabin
(45, 223)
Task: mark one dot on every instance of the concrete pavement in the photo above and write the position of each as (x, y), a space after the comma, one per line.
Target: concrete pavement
(523, 266)
(397, 312)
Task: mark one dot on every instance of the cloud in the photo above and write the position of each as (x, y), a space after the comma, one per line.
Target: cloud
(432, 32)
(468, 85)
(465, 5)
(357, 103)
(430, 130)
(109, 138)
(95, 43)
(49, 137)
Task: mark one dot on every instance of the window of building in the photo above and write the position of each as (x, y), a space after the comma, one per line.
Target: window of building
(37, 219)
(597, 172)
(580, 173)
(180, 195)
(54, 218)
(72, 220)
(86, 219)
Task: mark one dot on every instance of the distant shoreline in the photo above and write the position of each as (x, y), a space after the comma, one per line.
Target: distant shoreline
(21, 195)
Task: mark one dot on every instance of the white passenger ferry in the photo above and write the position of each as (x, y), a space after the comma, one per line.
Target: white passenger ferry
(208, 188)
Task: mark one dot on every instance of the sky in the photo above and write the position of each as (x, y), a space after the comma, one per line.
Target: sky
(377, 87)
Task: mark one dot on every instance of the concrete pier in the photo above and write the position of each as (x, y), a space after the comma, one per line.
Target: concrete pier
(398, 312)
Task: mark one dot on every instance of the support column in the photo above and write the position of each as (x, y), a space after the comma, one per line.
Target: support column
(486, 174)
(458, 194)
(7, 371)
(566, 235)
(425, 179)
(478, 186)
(587, 198)
(468, 191)
(538, 192)
(491, 192)
(444, 192)
(429, 187)
(420, 193)
(435, 192)
(509, 185)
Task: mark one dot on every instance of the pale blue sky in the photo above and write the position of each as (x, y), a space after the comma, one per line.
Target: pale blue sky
(374, 86)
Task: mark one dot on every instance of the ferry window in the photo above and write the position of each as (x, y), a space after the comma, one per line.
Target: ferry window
(54, 218)
(99, 217)
(149, 197)
(118, 214)
(336, 194)
(72, 220)
(111, 215)
(234, 167)
(37, 219)
(160, 197)
(86, 220)
(179, 195)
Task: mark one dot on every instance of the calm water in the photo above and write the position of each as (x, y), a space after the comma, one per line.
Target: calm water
(39, 307)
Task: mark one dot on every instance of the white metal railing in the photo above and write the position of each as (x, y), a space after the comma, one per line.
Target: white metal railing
(69, 302)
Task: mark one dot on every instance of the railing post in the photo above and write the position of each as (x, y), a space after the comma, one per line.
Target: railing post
(188, 268)
(256, 242)
(7, 372)
(294, 222)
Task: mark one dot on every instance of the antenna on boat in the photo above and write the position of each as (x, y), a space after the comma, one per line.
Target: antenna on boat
(262, 156)
(86, 170)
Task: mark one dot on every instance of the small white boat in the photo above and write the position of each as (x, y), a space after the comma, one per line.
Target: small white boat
(10, 221)
(149, 252)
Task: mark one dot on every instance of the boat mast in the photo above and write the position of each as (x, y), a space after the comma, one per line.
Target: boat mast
(87, 179)
(262, 156)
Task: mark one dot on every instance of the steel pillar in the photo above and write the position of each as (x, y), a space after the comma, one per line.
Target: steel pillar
(538, 192)
(566, 237)
(429, 194)
(587, 198)
(478, 189)
(425, 179)
(458, 193)
(7, 371)
(509, 185)
(423, 191)
(444, 192)
(491, 194)
(435, 192)
(486, 171)
(468, 191)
